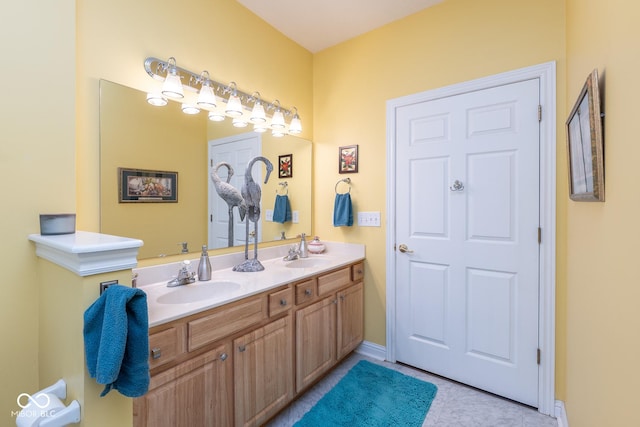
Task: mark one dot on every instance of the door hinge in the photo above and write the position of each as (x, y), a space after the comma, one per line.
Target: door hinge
(539, 235)
(539, 112)
(538, 356)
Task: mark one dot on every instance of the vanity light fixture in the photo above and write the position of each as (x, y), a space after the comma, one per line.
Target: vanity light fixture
(257, 114)
(260, 128)
(234, 105)
(190, 109)
(216, 116)
(277, 121)
(206, 97)
(295, 127)
(210, 94)
(157, 99)
(239, 122)
(172, 86)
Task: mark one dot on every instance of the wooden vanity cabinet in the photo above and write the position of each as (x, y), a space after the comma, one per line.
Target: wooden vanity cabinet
(197, 392)
(332, 327)
(263, 374)
(234, 364)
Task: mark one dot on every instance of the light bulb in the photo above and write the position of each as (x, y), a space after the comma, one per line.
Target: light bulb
(190, 109)
(156, 99)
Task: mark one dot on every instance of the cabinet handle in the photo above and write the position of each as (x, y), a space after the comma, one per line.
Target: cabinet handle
(335, 301)
(341, 297)
(241, 348)
(283, 302)
(223, 356)
(308, 292)
(156, 353)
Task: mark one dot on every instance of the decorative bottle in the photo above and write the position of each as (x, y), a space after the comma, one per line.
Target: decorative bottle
(204, 267)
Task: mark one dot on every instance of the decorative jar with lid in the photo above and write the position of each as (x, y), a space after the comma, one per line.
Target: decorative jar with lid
(316, 246)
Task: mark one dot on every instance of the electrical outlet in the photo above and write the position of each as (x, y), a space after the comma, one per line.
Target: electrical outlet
(105, 285)
(268, 215)
(295, 217)
(369, 219)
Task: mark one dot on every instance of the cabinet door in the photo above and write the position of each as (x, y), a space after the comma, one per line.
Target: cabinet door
(315, 341)
(262, 372)
(197, 392)
(350, 319)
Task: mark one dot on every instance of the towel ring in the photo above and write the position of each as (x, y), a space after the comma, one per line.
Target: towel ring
(284, 186)
(346, 180)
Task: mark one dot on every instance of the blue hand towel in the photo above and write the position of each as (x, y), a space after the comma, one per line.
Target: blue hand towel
(282, 209)
(116, 340)
(343, 211)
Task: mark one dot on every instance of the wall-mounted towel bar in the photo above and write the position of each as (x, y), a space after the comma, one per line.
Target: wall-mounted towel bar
(345, 180)
(284, 187)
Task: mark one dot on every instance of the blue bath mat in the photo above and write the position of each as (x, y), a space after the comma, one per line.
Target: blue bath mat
(372, 395)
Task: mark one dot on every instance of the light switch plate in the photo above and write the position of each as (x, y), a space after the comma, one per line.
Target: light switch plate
(268, 215)
(369, 219)
(295, 217)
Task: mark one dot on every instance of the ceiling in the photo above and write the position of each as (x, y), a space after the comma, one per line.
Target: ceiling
(319, 24)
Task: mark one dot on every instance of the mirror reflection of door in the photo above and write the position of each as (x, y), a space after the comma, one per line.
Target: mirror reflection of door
(235, 150)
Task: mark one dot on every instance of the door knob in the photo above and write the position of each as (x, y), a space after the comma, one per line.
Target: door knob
(457, 186)
(404, 249)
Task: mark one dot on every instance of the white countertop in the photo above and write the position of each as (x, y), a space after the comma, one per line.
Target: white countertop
(165, 304)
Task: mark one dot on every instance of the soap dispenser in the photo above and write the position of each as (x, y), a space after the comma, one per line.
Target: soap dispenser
(204, 267)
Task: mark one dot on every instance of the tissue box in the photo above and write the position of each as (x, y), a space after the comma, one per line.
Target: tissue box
(53, 224)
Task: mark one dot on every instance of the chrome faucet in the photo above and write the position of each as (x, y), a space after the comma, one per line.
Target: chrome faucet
(184, 276)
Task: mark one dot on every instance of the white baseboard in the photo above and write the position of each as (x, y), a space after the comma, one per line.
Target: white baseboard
(561, 414)
(375, 351)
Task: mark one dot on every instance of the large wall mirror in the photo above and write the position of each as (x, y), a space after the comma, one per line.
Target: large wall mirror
(137, 136)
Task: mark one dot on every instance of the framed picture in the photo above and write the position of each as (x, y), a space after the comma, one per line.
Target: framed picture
(141, 185)
(585, 144)
(348, 159)
(285, 166)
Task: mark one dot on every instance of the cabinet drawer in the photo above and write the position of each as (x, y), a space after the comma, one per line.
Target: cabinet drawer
(280, 301)
(164, 347)
(357, 271)
(305, 291)
(333, 281)
(225, 321)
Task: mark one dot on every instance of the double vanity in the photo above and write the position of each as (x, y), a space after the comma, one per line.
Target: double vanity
(237, 349)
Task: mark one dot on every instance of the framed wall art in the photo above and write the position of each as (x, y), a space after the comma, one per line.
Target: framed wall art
(142, 185)
(348, 159)
(285, 166)
(585, 144)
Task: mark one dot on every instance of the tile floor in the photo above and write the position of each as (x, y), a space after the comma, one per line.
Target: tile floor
(455, 405)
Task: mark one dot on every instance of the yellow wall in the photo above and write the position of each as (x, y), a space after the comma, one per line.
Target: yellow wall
(37, 163)
(602, 294)
(455, 41)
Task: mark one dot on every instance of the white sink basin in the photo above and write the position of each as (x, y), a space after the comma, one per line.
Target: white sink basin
(198, 292)
(307, 263)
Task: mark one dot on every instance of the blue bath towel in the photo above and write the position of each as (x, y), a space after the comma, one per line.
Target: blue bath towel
(342, 210)
(116, 340)
(282, 209)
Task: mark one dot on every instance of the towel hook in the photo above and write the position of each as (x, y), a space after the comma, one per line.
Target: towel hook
(285, 186)
(346, 180)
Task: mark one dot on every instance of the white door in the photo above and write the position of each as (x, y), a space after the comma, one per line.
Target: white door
(467, 209)
(236, 150)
